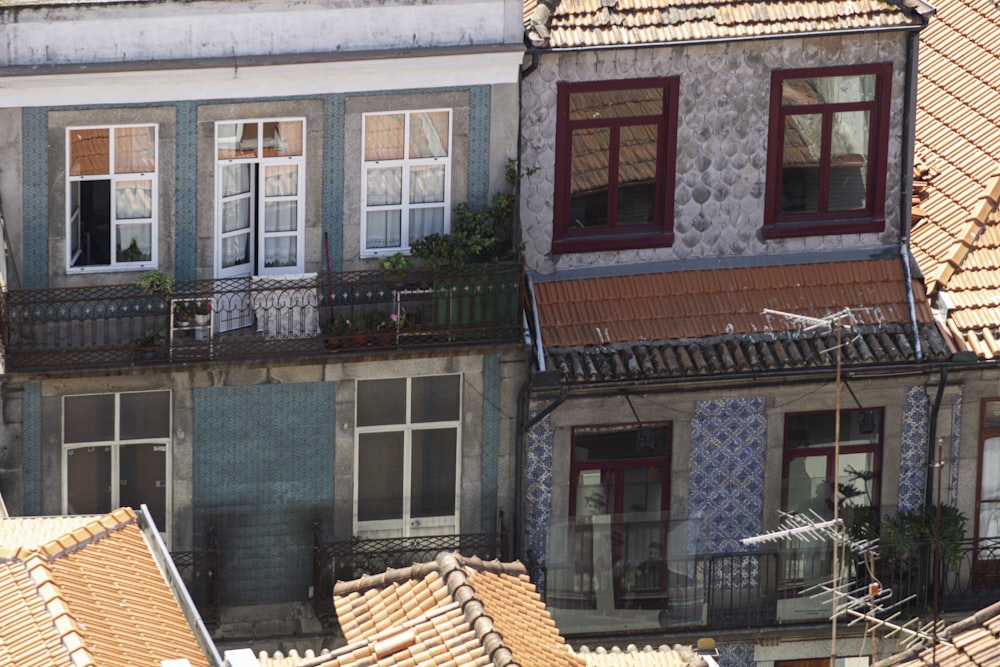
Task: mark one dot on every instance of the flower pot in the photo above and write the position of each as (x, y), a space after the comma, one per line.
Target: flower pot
(201, 320)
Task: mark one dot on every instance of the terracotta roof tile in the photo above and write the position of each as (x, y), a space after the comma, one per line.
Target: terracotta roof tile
(453, 611)
(957, 126)
(971, 642)
(710, 322)
(97, 590)
(575, 23)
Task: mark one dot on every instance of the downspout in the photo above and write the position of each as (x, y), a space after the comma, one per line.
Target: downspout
(906, 188)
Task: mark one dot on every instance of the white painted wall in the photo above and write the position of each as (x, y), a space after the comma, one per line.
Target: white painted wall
(57, 33)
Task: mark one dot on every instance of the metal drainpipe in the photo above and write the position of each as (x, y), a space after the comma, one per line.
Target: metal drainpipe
(906, 172)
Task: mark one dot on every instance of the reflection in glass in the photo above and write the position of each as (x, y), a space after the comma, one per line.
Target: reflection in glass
(427, 184)
(429, 134)
(637, 174)
(89, 152)
(828, 89)
(385, 186)
(135, 150)
(589, 177)
(133, 199)
(235, 179)
(849, 160)
(432, 472)
(380, 465)
(280, 216)
(88, 480)
(134, 243)
(281, 181)
(384, 135)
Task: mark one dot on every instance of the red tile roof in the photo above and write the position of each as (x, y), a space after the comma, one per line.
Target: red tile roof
(705, 322)
(574, 23)
(92, 596)
(452, 611)
(955, 242)
(972, 642)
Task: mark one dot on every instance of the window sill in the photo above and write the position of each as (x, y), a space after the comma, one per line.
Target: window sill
(786, 230)
(602, 243)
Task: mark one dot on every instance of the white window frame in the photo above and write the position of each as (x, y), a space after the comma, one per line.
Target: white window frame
(403, 527)
(406, 164)
(257, 195)
(116, 444)
(73, 226)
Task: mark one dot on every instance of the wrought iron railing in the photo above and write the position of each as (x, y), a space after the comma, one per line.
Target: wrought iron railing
(259, 318)
(756, 589)
(200, 572)
(343, 560)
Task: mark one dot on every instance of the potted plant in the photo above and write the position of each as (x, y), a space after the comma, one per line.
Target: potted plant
(202, 310)
(183, 311)
(156, 282)
(395, 266)
(148, 345)
(338, 331)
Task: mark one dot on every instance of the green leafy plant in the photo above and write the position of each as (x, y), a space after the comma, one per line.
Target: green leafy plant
(904, 531)
(132, 253)
(395, 266)
(477, 235)
(156, 282)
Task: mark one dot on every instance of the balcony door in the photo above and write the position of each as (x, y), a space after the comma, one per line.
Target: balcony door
(619, 495)
(260, 208)
(986, 566)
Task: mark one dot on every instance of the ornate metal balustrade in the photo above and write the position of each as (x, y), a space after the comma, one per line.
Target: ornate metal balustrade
(200, 571)
(259, 318)
(344, 560)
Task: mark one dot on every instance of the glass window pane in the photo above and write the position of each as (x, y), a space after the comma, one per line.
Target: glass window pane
(281, 216)
(89, 418)
(435, 398)
(384, 136)
(637, 175)
(236, 214)
(432, 472)
(143, 479)
(133, 199)
(426, 221)
(145, 414)
(828, 89)
(88, 480)
(281, 181)
(381, 402)
(235, 179)
(427, 184)
(618, 444)
(800, 163)
(589, 173)
(642, 492)
(808, 488)
(849, 161)
(236, 250)
(595, 493)
(237, 140)
(134, 243)
(89, 152)
(990, 471)
(991, 414)
(385, 186)
(280, 251)
(625, 103)
(282, 138)
(380, 476)
(135, 150)
(383, 229)
(429, 134)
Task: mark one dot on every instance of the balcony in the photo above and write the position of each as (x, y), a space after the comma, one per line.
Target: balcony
(604, 596)
(117, 326)
(346, 560)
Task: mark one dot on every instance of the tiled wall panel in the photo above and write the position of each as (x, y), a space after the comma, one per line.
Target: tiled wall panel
(31, 445)
(538, 497)
(491, 441)
(263, 473)
(728, 438)
(913, 451)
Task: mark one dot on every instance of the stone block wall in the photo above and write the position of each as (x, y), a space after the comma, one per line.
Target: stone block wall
(722, 133)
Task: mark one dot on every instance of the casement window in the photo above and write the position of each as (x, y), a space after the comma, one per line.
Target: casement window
(260, 200)
(111, 197)
(116, 452)
(408, 456)
(811, 484)
(827, 151)
(986, 567)
(406, 179)
(616, 149)
(619, 495)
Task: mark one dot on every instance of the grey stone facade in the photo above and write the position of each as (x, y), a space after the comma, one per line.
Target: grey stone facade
(722, 131)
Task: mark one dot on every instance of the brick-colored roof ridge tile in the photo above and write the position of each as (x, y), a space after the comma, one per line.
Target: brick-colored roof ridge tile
(89, 532)
(979, 216)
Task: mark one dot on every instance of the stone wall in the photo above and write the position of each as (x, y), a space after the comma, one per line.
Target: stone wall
(722, 132)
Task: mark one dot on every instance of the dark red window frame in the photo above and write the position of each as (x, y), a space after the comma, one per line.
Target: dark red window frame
(659, 233)
(778, 224)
